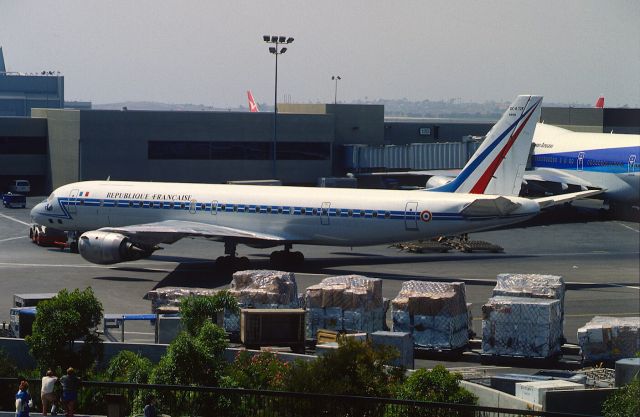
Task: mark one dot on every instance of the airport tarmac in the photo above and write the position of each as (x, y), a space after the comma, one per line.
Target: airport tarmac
(599, 261)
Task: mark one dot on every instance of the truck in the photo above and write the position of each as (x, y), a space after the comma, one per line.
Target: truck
(13, 200)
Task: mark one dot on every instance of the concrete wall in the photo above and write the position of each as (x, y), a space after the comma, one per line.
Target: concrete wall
(18, 351)
(488, 397)
(64, 144)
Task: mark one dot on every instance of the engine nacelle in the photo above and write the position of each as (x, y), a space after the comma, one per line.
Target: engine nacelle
(109, 248)
(437, 181)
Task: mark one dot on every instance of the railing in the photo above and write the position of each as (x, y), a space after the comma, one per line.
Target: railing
(174, 400)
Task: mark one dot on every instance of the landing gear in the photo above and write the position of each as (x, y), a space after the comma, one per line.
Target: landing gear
(285, 259)
(231, 262)
(72, 241)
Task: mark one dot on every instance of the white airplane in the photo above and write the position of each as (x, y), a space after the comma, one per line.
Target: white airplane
(125, 221)
(562, 159)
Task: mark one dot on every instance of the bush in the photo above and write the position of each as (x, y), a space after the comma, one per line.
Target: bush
(195, 310)
(355, 368)
(625, 402)
(263, 371)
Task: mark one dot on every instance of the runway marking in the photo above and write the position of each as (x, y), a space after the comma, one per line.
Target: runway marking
(14, 219)
(13, 238)
(628, 227)
(603, 314)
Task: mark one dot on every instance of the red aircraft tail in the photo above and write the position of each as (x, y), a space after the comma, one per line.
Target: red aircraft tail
(253, 106)
(600, 102)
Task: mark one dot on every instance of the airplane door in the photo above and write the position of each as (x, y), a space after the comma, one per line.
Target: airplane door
(580, 163)
(632, 163)
(214, 207)
(324, 213)
(73, 198)
(411, 215)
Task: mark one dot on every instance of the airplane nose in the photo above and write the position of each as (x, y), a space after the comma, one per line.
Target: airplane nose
(35, 216)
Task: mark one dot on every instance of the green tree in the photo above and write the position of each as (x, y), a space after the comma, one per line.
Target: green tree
(193, 360)
(436, 385)
(131, 367)
(194, 311)
(355, 368)
(625, 402)
(128, 366)
(262, 371)
(62, 321)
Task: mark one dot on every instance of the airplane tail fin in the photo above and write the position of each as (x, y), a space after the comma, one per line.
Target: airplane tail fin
(600, 102)
(253, 106)
(498, 165)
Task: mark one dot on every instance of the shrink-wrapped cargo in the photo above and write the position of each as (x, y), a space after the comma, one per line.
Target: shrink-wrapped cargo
(532, 286)
(345, 303)
(252, 289)
(609, 338)
(519, 326)
(435, 313)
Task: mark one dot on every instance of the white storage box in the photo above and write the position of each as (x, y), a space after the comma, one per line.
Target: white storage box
(534, 392)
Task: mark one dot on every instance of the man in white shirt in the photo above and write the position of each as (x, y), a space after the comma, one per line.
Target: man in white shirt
(46, 393)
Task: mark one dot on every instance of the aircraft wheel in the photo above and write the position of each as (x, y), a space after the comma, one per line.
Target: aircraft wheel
(31, 233)
(73, 247)
(243, 263)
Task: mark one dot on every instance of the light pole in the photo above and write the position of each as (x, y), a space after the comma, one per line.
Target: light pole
(276, 49)
(335, 95)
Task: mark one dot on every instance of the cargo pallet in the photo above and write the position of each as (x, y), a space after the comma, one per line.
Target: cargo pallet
(446, 243)
(554, 361)
(453, 354)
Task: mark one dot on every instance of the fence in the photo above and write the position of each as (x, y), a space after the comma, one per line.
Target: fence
(175, 400)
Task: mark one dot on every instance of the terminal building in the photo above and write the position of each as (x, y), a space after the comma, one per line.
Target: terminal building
(49, 144)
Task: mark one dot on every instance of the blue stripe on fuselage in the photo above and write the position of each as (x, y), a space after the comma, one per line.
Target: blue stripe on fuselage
(608, 160)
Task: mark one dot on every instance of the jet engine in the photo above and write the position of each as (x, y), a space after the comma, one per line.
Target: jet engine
(437, 181)
(109, 248)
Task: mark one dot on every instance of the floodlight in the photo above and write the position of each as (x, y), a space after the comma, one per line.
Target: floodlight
(274, 39)
(289, 40)
(282, 39)
(272, 49)
(283, 50)
(266, 38)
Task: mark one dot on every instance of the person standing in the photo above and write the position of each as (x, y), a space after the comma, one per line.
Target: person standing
(47, 395)
(70, 385)
(150, 408)
(23, 400)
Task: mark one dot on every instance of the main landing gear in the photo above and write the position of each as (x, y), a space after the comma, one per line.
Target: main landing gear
(285, 259)
(231, 262)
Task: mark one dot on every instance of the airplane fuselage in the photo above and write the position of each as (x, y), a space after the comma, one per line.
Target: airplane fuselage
(324, 216)
(608, 161)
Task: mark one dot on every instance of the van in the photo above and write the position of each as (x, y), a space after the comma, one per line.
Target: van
(20, 186)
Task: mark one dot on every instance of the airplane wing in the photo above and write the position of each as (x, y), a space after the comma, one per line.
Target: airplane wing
(553, 200)
(169, 231)
(556, 176)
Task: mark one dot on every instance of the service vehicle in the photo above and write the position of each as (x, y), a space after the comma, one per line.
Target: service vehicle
(14, 200)
(20, 186)
(47, 236)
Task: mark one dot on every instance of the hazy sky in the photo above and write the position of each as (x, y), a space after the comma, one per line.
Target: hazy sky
(210, 52)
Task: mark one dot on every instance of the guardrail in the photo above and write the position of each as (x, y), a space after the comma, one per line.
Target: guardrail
(174, 400)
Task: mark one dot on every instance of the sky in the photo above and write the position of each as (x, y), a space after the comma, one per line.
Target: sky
(210, 52)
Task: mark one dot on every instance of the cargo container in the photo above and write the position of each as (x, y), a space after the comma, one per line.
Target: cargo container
(535, 391)
(273, 327)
